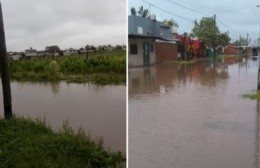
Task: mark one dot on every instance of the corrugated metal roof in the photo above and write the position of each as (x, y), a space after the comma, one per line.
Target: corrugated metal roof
(145, 27)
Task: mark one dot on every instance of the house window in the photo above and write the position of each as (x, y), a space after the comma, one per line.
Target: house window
(133, 49)
(140, 30)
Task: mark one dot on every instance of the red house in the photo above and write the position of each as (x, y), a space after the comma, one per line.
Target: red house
(194, 46)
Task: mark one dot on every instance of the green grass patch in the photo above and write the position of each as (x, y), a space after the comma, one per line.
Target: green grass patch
(252, 96)
(183, 62)
(27, 143)
(226, 56)
(109, 66)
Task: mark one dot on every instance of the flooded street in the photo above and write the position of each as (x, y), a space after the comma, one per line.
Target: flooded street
(194, 116)
(100, 110)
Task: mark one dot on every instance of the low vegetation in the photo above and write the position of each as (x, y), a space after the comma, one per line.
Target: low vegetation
(227, 56)
(27, 143)
(182, 62)
(106, 67)
(252, 96)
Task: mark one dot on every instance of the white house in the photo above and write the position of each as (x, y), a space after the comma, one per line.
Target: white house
(142, 33)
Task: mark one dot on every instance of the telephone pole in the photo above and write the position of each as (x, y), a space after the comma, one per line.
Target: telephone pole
(4, 71)
(215, 36)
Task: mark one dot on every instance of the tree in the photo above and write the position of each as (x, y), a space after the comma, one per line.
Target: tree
(92, 47)
(223, 39)
(170, 23)
(52, 49)
(87, 47)
(133, 11)
(143, 12)
(101, 48)
(208, 32)
(240, 42)
(118, 47)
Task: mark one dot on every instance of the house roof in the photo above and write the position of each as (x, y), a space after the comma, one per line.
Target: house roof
(147, 28)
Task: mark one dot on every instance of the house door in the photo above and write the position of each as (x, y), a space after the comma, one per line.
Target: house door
(146, 54)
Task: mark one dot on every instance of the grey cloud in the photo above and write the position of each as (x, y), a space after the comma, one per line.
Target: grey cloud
(37, 23)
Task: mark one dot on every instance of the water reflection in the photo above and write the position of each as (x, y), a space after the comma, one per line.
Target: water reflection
(257, 136)
(161, 78)
(193, 115)
(100, 110)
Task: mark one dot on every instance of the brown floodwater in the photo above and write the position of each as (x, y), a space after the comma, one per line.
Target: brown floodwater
(99, 110)
(193, 116)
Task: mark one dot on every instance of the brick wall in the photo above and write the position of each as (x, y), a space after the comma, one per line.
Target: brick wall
(165, 52)
(230, 50)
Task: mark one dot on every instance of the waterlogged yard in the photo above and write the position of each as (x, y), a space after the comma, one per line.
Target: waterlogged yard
(101, 67)
(97, 110)
(68, 90)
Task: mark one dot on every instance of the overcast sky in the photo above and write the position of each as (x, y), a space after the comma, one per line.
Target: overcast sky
(66, 23)
(239, 17)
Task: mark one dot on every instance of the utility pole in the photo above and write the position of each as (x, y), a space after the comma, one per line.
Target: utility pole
(215, 36)
(247, 35)
(247, 44)
(4, 71)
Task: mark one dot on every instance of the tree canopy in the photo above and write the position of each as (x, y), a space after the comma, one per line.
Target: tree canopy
(208, 32)
(90, 47)
(241, 42)
(141, 12)
(170, 23)
(52, 49)
(133, 11)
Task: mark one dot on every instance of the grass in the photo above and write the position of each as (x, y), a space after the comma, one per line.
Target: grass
(27, 143)
(105, 67)
(252, 96)
(182, 62)
(226, 56)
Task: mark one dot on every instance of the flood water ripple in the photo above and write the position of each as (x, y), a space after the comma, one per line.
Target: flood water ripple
(194, 115)
(99, 110)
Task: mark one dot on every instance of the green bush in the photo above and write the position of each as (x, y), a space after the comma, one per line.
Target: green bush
(52, 70)
(27, 143)
(103, 64)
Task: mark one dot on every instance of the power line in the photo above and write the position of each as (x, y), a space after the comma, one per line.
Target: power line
(228, 27)
(193, 10)
(206, 7)
(172, 2)
(204, 14)
(157, 7)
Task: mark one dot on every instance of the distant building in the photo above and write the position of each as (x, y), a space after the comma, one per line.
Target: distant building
(70, 51)
(41, 53)
(14, 55)
(196, 48)
(31, 53)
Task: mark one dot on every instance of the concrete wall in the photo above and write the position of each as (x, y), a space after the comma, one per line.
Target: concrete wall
(135, 60)
(165, 51)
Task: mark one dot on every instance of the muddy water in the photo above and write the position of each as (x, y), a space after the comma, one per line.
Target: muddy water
(100, 110)
(194, 116)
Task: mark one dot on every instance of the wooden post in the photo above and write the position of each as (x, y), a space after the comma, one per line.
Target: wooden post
(258, 80)
(4, 71)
